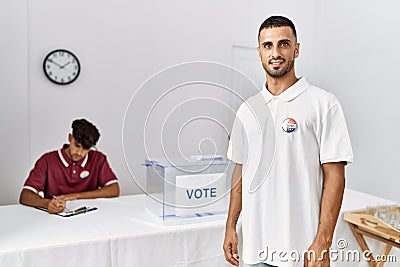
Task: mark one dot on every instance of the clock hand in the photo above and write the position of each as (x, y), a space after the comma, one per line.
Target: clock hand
(61, 67)
(55, 63)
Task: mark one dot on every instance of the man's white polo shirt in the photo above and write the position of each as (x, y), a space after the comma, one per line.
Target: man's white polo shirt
(282, 142)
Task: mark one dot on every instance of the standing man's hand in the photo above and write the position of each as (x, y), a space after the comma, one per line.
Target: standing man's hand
(56, 205)
(235, 207)
(231, 247)
(317, 255)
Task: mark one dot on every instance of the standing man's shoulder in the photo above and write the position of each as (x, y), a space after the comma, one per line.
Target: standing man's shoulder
(321, 95)
(251, 102)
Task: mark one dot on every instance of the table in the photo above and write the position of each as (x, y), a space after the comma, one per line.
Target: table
(122, 232)
(354, 200)
(363, 225)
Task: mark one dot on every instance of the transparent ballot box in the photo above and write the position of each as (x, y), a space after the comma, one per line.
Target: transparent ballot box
(188, 190)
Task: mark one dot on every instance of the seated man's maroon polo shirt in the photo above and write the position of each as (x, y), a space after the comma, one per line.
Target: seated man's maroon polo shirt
(55, 173)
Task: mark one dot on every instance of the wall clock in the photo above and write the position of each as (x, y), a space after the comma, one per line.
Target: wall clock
(61, 66)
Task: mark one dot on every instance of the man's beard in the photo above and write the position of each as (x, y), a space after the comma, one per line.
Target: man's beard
(278, 73)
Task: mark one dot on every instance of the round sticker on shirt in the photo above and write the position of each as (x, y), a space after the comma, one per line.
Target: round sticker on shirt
(289, 125)
(84, 174)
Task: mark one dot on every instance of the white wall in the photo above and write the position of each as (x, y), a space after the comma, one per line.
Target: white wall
(358, 61)
(122, 43)
(14, 145)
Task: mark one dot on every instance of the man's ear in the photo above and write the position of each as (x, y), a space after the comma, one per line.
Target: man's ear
(296, 51)
(259, 53)
(70, 138)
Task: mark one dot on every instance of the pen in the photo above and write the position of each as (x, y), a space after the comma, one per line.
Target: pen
(81, 210)
(54, 197)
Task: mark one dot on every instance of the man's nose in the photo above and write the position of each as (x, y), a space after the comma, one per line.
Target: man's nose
(275, 53)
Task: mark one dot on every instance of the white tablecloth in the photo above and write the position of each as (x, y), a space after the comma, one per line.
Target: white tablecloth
(122, 232)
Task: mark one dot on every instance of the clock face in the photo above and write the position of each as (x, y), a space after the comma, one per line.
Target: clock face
(61, 67)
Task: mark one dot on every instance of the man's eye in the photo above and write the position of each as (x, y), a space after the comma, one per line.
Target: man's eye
(284, 44)
(267, 45)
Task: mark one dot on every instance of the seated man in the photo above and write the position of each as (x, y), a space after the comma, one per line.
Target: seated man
(76, 171)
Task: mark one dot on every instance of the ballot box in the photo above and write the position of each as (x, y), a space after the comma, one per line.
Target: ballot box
(188, 190)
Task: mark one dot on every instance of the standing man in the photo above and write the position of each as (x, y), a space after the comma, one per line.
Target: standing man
(76, 171)
(290, 145)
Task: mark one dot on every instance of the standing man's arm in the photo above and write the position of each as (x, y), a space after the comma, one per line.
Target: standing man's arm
(235, 207)
(332, 195)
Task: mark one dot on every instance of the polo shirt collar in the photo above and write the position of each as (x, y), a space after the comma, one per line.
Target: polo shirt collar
(67, 161)
(289, 94)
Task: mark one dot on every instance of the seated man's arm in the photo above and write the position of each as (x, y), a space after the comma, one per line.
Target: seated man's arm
(106, 178)
(30, 198)
(111, 190)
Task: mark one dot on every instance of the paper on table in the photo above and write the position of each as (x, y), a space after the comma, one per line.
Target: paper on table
(71, 212)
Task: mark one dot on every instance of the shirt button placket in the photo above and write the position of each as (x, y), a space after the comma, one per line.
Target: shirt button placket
(74, 169)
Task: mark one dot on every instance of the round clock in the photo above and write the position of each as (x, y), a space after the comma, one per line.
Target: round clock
(61, 66)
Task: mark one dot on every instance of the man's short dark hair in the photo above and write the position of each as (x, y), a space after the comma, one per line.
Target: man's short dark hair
(277, 21)
(85, 133)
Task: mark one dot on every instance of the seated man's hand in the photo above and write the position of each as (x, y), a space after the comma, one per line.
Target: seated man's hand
(56, 205)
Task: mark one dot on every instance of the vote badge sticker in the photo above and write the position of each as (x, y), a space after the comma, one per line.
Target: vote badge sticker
(289, 125)
(84, 174)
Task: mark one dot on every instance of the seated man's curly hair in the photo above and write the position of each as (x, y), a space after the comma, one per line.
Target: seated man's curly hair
(85, 133)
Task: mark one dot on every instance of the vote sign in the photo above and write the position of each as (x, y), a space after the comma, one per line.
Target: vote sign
(200, 193)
